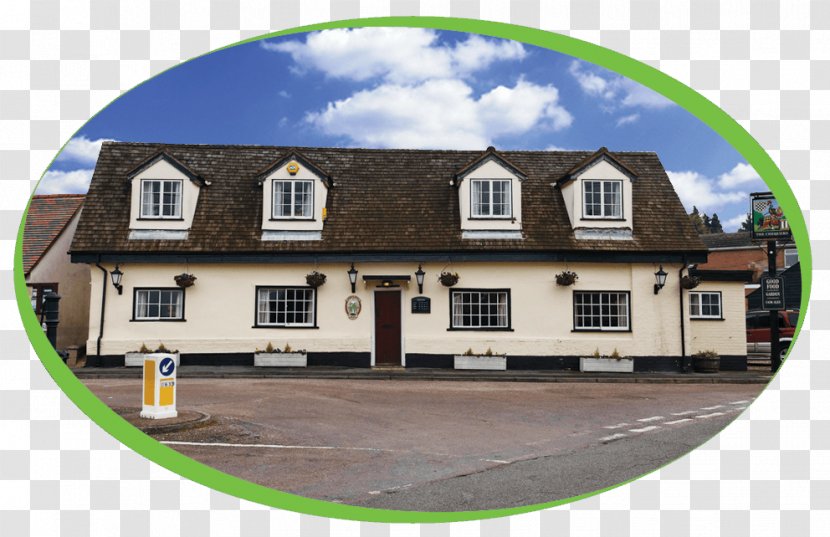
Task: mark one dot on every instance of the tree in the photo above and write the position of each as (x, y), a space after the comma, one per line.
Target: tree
(715, 225)
(707, 223)
(746, 225)
(697, 221)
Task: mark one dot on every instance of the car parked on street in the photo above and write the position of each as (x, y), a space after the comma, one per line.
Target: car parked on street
(758, 333)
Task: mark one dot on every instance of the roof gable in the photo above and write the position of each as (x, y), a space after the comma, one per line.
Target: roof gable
(160, 155)
(293, 154)
(489, 155)
(46, 219)
(601, 154)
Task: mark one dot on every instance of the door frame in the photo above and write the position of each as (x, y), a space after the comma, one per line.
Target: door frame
(374, 322)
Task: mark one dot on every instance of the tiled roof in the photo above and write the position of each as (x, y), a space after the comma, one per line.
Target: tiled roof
(740, 239)
(47, 217)
(382, 200)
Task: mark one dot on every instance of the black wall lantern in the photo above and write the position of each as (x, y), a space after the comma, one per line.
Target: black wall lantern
(419, 277)
(660, 276)
(352, 272)
(116, 279)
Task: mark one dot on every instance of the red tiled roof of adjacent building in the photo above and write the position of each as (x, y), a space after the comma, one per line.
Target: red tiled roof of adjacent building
(48, 216)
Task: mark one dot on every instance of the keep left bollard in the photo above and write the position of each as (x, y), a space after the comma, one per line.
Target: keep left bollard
(159, 386)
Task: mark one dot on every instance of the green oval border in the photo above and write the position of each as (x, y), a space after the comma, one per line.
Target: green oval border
(702, 108)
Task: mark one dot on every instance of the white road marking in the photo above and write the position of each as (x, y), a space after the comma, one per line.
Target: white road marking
(678, 421)
(497, 461)
(653, 418)
(738, 402)
(684, 413)
(616, 436)
(617, 426)
(644, 429)
(711, 407)
(740, 408)
(712, 415)
(269, 446)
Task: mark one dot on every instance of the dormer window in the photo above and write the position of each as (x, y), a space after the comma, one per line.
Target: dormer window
(293, 199)
(491, 198)
(161, 198)
(603, 199)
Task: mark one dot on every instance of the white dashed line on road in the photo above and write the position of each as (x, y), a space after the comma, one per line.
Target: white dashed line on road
(497, 461)
(712, 415)
(738, 402)
(684, 413)
(653, 418)
(682, 420)
(711, 407)
(613, 437)
(617, 426)
(644, 429)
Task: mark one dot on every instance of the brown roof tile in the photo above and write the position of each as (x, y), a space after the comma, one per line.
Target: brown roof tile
(48, 216)
(383, 200)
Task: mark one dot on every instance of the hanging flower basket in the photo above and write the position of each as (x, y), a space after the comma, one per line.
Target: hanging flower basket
(184, 279)
(689, 282)
(315, 279)
(448, 279)
(566, 278)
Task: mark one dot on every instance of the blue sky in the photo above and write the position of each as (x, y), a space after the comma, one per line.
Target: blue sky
(413, 88)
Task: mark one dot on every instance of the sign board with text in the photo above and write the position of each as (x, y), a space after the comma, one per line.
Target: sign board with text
(768, 220)
(772, 293)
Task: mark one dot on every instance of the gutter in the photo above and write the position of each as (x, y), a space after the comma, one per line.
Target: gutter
(103, 305)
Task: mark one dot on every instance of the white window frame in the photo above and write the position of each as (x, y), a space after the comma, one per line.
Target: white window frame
(602, 205)
(604, 300)
(261, 300)
(161, 216)
(490, 204)
(790, 252)
(179, 316)
(696, 305)
(293, 215)
(458, 317)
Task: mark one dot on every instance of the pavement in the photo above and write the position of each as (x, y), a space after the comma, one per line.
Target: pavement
(439, 446)
(753, 376)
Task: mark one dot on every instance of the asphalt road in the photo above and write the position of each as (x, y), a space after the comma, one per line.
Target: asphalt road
(441, 446)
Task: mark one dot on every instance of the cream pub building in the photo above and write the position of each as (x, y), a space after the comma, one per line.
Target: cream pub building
(257, 226)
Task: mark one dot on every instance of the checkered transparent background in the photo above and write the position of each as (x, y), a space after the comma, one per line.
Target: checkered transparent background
(766, 63)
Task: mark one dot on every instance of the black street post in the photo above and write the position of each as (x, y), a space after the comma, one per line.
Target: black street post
(50, 317)
(774, 343)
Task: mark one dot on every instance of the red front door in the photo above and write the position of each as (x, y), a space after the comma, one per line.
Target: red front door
(388, 328)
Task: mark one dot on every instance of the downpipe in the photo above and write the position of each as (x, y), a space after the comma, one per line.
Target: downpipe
(103, 305)
(685, 362)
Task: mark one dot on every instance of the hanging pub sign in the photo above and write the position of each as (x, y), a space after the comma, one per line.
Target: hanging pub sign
(768, 220)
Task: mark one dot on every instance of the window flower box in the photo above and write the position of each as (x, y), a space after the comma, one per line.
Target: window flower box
(280, 359)
(495, 362)
(136, 358)
(592, 364)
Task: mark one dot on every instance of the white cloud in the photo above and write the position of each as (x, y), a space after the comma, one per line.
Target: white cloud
(734, 223)
(82, 150)
(698, 190)
(741, 174)
(441, 113)
(626, 120)
(398, 55)
(616, 91)
(65, 182)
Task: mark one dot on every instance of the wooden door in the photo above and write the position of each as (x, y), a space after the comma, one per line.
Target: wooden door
(387, 328)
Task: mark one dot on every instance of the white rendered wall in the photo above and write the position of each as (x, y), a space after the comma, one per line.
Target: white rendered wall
(219, 310)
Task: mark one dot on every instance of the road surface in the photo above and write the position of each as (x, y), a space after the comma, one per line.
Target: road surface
(441, 446)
